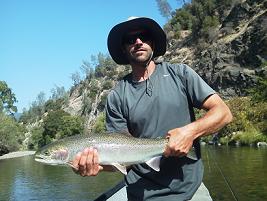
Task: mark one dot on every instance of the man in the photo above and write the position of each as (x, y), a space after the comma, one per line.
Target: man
(157, 100)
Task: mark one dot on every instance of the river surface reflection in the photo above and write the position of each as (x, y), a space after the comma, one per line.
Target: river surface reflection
(24, 179)
(230, 174)
(235, 173)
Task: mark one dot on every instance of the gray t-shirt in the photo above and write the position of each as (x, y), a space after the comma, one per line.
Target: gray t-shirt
(150, 109)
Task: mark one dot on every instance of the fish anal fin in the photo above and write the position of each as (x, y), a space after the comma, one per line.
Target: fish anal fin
(120, 167)
(154, 163)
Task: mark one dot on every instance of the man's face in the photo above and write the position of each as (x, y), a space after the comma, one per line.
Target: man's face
(138, 46)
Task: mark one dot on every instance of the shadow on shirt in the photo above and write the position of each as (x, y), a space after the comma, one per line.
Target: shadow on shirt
(178, 179)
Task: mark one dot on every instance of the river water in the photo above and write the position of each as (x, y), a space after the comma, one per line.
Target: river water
(236, 173)
(230, 174)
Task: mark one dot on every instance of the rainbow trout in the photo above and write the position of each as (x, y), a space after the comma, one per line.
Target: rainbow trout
(119, 150)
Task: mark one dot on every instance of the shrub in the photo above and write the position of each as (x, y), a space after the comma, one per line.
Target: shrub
(249, 137)
(99, 126)
(249, 121)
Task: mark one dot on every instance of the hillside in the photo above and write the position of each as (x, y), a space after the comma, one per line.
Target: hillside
(230, 62)
(235, 52)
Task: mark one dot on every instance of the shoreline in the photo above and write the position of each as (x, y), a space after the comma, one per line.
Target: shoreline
(16, 154)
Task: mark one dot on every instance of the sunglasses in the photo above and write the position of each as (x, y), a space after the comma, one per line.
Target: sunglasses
(131, 38)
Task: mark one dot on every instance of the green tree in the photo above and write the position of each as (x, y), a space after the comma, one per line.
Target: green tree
(104, 65)
(52, 123)
(71, 125)
(88, 70)
(58, 93)
(7, 99)
(164, 8)
(59, 124)
(76, 78)
(209, 28)
(11, 134)
(183, 2)
(54, 104)
(36, 139)
(183, 20)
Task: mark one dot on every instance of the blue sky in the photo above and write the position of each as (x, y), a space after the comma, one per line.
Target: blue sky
(43, 42)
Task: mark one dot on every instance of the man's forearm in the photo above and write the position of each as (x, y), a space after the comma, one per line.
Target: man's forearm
(217, 117)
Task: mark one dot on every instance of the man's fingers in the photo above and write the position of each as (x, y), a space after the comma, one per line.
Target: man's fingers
(83, 159)
(89, 162)
(75, 162)
(174, 150)
(95, 167)
(86, 163)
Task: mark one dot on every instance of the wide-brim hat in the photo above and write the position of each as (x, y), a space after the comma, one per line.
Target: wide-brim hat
(117, 32)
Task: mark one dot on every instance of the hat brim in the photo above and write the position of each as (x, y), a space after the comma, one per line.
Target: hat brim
(118, 31)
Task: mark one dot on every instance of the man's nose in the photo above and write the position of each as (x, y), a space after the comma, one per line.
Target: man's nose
(138, 41)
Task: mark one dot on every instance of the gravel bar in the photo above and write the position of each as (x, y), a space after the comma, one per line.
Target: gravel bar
(17, 154)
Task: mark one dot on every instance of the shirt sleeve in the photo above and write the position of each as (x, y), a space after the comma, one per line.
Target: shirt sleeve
(115, 120)
(197, 89)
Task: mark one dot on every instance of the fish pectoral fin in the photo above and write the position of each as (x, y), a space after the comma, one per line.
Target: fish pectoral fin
(120, 167)
(71, 165)
(154, 163)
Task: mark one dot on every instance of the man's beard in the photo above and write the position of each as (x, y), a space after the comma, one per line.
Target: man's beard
(143, 61)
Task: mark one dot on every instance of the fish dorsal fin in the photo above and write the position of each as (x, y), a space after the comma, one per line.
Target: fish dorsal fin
(154, 163)
(120, 167)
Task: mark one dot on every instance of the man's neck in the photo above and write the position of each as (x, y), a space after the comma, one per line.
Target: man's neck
(140, 73)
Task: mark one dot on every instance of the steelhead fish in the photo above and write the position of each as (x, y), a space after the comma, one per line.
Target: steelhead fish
(119, 150)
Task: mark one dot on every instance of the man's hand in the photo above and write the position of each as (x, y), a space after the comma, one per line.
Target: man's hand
(180, 142)
(86, 163)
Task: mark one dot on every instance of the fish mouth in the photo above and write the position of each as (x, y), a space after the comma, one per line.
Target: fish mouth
(56, 157)
(47, 160)
(42, 159)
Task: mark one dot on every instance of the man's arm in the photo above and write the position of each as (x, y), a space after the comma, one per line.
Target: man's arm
(217, 116)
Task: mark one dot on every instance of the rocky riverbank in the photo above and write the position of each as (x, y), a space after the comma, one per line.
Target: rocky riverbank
(17, 154)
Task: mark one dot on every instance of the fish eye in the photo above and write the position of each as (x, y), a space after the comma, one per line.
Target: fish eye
(46, 152)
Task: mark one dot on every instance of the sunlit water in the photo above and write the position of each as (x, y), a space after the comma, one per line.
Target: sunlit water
(24, 179)
(230, 174)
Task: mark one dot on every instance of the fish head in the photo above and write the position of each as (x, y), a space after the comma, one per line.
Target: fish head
(52, 155)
